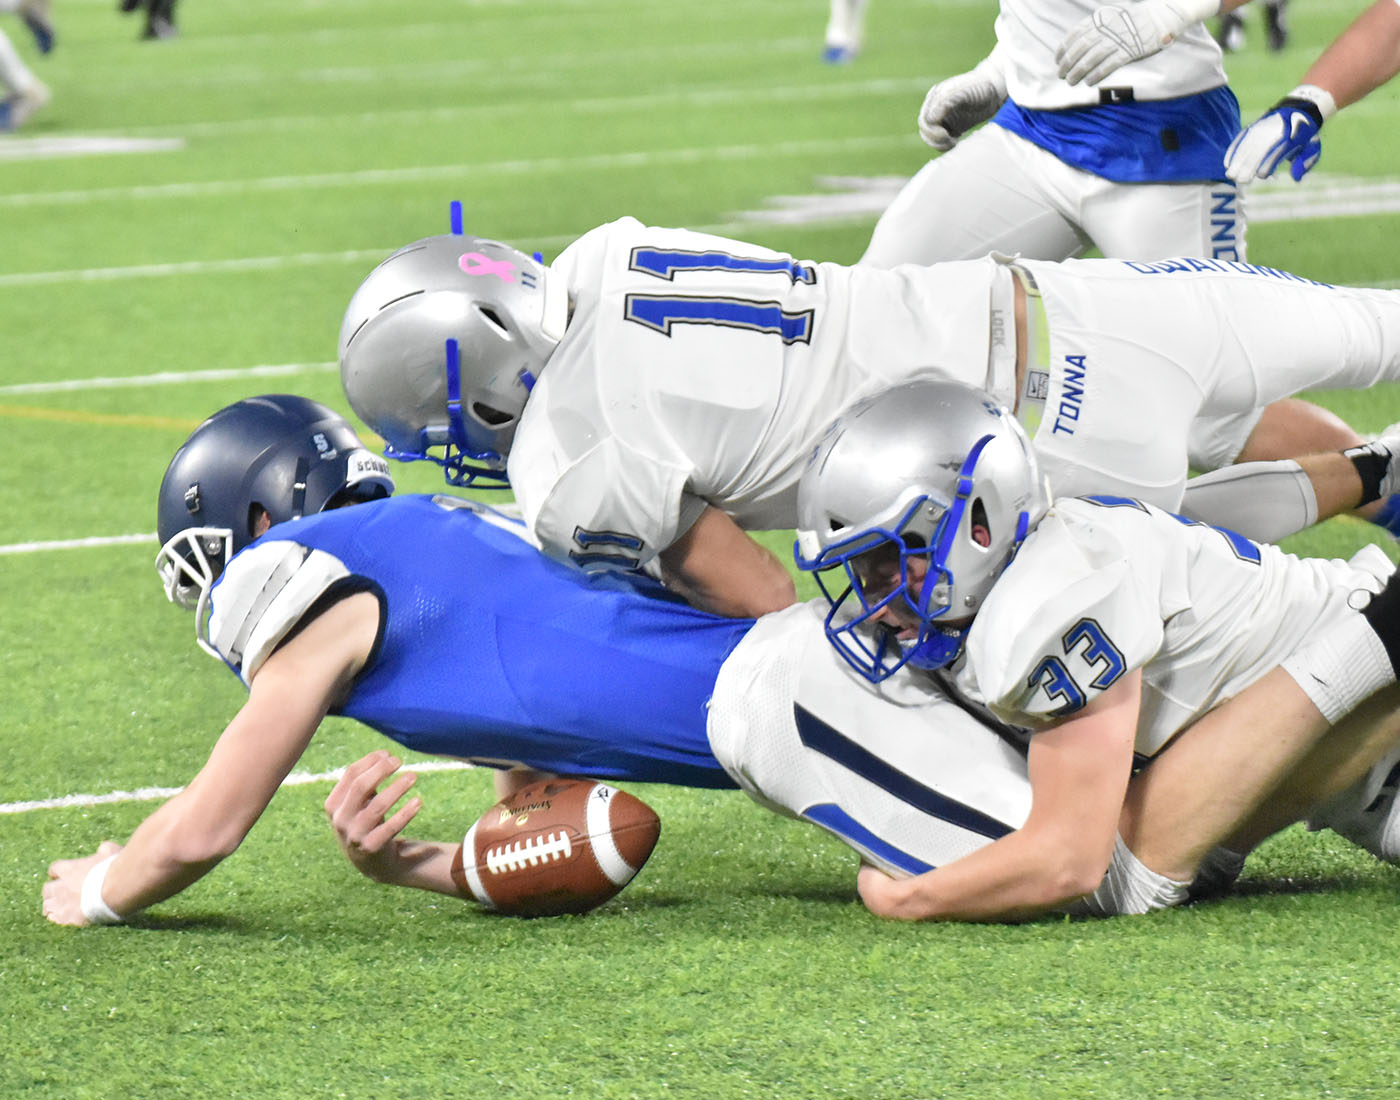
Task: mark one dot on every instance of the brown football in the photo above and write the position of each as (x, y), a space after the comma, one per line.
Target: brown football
(555, 846)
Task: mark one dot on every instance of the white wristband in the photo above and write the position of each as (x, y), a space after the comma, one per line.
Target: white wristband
(1195, 11)
(94, 908)
(1320, 98)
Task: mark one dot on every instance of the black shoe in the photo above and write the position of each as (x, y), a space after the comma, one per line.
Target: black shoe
(1275, 26)
(1230, 32)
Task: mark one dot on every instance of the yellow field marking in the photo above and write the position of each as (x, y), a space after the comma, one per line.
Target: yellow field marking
(82, 416)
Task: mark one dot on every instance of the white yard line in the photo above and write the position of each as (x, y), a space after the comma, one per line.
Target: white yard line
(76, 544)
(689, 98)
(530, 166)
(153, 794)
(168, 378)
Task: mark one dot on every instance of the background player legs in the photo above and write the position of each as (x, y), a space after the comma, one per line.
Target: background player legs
(35, 14)
(1230, 31)
(25, 92)
(845, 30)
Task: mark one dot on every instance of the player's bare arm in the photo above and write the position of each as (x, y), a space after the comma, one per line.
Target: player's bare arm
(1363, 57)
(1079, 770)
(190, 834)
(719, 568)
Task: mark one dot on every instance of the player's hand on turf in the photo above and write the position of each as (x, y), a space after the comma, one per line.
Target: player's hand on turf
(1287, 133)
(956, 105)
(884, 896)
(63, 892)
(1117, 34)
(359, 814)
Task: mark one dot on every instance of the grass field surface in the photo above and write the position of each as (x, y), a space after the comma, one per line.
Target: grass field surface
(183, 227)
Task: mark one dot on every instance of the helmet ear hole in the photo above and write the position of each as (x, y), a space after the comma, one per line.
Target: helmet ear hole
(489, 415)
(258, 518)
(492, 316)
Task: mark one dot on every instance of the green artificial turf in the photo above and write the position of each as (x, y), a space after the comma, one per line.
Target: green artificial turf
(310, 139)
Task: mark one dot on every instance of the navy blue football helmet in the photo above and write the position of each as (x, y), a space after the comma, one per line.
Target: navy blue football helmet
(281, 455)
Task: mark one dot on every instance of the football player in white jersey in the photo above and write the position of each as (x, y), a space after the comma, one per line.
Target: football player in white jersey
(654, 392)
(1363, 57)
(350, 610)
(1103, 624)
(1108, 128)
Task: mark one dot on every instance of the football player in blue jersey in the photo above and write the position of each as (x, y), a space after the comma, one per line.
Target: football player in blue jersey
(511, 660)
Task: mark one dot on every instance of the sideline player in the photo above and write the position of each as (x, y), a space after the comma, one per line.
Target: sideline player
(1096, 140)
(654, 393)
(1103, 624)
(1360, 60)
(349, 611)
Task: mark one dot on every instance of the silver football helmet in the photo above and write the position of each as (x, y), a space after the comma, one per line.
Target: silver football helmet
(441, 344)
(902, 479)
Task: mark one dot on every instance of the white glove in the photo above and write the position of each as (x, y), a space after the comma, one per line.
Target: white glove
(1117, 34)
(1289, 132)
(954, 106)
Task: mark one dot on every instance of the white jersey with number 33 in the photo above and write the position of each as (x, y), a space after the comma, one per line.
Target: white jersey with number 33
(1106, 585)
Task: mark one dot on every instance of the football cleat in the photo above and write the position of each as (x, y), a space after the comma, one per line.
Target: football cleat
(838, 55)
(1368, 814)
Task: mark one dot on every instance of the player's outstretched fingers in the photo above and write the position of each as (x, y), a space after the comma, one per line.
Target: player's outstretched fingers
(360, 780)
(391, 827)
(377, 809)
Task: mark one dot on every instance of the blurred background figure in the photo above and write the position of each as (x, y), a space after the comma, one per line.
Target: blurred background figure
(35, 14)
(160, 16)
(844, 28)
(1230, 31)
(24, 93)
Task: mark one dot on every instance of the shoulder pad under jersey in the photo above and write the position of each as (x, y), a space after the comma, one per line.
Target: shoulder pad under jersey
(503, 517)
(262, 595)
(1064, 622)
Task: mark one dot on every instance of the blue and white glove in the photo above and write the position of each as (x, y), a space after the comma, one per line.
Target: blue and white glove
(1117, 34)
(954, 106)
(1289, 132)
